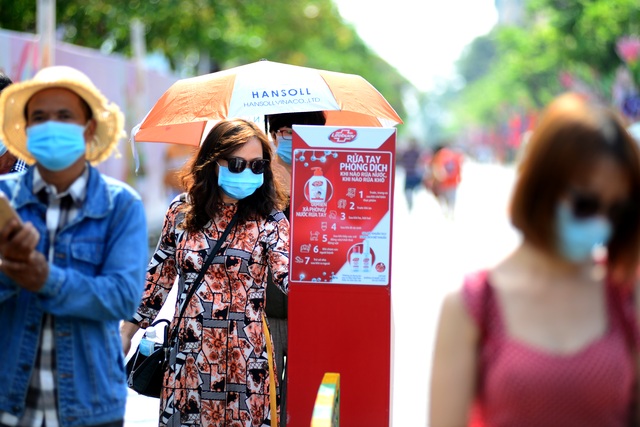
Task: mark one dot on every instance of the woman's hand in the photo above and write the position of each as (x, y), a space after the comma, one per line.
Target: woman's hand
(127, 331)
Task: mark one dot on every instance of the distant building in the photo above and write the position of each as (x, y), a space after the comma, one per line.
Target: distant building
(510, 12)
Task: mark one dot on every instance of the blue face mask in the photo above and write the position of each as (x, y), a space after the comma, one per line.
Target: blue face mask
(284, 150)
(576, 236)
(56, 145)
(239, 185)
(3, 148)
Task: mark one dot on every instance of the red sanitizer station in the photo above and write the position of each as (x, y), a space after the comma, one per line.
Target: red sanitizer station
(340, 271)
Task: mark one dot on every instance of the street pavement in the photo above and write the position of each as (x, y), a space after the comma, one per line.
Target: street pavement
(431, 254)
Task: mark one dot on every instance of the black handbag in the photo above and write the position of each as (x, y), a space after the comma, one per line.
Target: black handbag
(146, 373)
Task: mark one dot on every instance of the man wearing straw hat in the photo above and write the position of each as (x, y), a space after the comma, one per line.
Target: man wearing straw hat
(72, 266)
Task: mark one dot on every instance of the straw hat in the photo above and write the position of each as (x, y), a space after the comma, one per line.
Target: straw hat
(14, 98)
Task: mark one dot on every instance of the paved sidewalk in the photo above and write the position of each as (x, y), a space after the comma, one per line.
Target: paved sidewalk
(142, 411)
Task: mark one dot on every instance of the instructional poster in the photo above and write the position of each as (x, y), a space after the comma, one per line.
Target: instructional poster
(341, 204)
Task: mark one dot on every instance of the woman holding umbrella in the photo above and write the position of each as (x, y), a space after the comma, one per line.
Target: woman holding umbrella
(219, 373)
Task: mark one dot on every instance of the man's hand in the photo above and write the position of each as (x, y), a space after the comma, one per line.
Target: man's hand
(18, 240)
(30, 274)
(18, 258)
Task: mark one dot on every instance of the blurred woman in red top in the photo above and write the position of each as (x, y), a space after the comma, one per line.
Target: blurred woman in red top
(547, 337)
(446, 174)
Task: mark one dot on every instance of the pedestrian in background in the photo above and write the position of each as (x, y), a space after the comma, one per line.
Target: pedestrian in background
(280, 128)
(219, 373)
(8, 162)
(445, 174)
(548, 337)
(281, 132)
(65, 285)
(411, 162)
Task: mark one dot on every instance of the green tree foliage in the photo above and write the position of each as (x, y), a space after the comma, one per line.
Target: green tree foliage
(477, 58)
(588, 30)
(561, 37)
(225, 33)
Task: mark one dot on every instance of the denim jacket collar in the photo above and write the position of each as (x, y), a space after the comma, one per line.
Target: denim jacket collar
(97, 203)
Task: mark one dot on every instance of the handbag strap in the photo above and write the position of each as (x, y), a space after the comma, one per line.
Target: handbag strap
(272, 374)
(203, 270)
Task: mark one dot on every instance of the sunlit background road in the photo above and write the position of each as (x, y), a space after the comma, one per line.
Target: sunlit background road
(430, 256)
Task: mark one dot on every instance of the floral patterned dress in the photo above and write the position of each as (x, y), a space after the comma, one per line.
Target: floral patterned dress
(218, 373)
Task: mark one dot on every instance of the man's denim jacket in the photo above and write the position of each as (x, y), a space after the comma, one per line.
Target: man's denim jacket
(96, 280)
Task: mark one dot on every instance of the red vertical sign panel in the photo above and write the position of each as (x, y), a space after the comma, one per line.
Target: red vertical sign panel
(340, 271)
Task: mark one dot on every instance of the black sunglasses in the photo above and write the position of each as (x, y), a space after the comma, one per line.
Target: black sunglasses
(238, 164)
(586, 205)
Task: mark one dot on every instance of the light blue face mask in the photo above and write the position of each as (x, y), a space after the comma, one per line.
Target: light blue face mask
(578, 236)
(284, 150)
(239, 185)
(56, 145)
(3, 148)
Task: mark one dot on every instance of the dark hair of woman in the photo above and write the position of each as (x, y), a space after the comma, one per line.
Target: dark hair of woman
(201, 176)
(276, 121)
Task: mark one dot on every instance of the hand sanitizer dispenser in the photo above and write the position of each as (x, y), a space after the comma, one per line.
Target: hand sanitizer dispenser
(317, 187)
(366, 256)
(356, 259)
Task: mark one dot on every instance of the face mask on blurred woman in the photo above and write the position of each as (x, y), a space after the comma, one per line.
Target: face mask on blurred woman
(578, 236)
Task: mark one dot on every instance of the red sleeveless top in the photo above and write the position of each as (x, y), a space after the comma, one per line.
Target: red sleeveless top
(522, 386)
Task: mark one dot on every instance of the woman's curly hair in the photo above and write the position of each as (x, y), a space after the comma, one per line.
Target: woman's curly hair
(201, 176)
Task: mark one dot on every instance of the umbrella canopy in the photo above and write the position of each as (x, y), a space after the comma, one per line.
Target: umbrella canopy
(258, 89)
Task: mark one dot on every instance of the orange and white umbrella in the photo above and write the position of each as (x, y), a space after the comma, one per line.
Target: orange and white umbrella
(258, 89)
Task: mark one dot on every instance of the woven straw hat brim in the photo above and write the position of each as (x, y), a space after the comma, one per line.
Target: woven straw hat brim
(14, 98)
